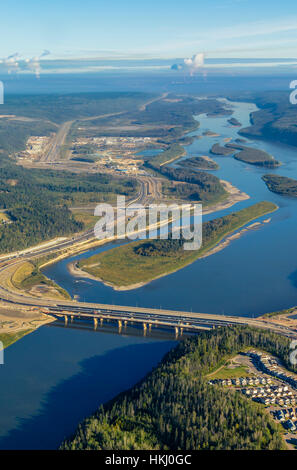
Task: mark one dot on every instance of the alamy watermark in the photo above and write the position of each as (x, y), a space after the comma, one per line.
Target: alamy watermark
(293, 354)
(293, 94)
(1, 93)
(1, 353)
(157, 221)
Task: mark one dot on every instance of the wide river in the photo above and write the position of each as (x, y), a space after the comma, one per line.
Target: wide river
(256, 273)
(57, 375)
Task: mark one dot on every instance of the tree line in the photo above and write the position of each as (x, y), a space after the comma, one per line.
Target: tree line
(174, 407)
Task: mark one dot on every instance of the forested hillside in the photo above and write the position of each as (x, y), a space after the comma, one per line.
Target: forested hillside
(175, 408)
(276, 119)
(199, 185)
(37, 202)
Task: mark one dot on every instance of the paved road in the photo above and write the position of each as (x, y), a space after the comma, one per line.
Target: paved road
(149, 191)
(150, 315)
(53, 154)
(58, 141)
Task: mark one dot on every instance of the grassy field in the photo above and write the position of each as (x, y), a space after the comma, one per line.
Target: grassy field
(174, 152)
(231, 373)
(87, 219)
(4, 217)
(28, 276)
(124, 266)
(10, 338)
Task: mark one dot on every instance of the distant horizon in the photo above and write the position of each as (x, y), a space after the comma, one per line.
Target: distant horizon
(174, 66)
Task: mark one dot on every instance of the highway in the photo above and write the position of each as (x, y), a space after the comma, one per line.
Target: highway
(182, 319)
(169, 318)
(150, 191)
(59, 139)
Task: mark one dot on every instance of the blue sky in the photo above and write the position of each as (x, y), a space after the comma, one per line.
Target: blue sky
(157, 28)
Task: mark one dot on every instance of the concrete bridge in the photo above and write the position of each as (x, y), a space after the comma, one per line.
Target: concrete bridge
(148, 318)
(146, 322)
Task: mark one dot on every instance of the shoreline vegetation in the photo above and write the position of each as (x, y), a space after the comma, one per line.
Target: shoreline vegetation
(174, 406)
(52, 289)
(10, 338)
(174, 152)
(183, 183)
(28, 277)
(285, 312)
(234, 196)
(125, 268)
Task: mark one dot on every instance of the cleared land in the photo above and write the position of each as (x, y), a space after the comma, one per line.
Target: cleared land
(28, 277)
(174, 152)
(86, 218)
(14, 324)
(137, 263)
(228, 372)
(9, 338)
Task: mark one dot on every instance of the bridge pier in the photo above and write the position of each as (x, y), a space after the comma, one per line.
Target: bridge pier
(95, 323)
(120, 325)
(71, 318)
(65, 319)
(101, 321)
(125, 323)
(144, 329)
(150, 327)
(176, 331)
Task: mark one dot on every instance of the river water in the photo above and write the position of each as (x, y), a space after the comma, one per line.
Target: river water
(255, 274)
(57, 375)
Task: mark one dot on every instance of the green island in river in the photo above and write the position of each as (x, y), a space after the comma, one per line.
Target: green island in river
(281, 185)
(199, 163)
(132, 265)
(217, 149)
(253, 156)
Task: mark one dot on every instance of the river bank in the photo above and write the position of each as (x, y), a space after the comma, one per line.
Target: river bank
(207, 285)
(75, 271)
(120, 267)
(16, 323)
